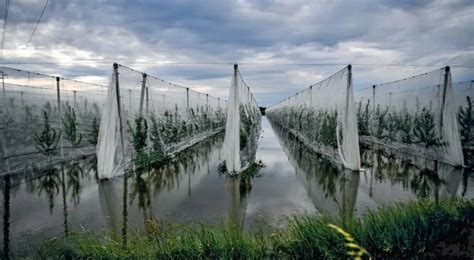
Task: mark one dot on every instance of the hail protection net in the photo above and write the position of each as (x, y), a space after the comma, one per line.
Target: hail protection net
(415, 115)
(45, 119)
(323, 117)
(157, 119)
(242, 127)
(463, 99)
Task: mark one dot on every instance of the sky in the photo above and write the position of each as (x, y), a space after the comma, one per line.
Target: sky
(281, 47)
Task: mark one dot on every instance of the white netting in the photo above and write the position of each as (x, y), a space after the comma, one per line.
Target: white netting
(158, 119)
(242, 127)
(463, 98)
(35, 129)
(416, 115)
(323, 115)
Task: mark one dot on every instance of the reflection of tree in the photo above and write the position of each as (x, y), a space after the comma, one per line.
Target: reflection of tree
(91, 166)
(140, 188)
(49, 183)
(398, 169)
(424, 182)
(188, 161)
(316, 166)
(75, 173)
(387, 166)
(322, 176)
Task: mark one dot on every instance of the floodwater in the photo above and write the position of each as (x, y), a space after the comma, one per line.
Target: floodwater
(42, 203)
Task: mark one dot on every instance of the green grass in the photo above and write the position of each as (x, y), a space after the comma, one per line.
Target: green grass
(413, 229)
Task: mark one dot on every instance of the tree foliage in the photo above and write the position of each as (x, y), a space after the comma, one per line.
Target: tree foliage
(47, 141)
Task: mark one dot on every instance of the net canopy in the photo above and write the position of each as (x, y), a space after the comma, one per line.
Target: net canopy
(324, 117)
(242, 126)
(463, 98)
(415, 115)
(46, 119)
(152, 120)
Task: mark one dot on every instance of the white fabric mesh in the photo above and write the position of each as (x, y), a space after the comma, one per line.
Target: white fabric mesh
(24, 98)
(464, 104)
(243, 120)
(415, 115)
(177, 117)
(324, 116)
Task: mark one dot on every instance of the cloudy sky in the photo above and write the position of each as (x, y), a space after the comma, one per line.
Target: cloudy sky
(282, 46)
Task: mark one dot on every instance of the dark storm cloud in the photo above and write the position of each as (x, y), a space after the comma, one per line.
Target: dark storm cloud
(82, 38)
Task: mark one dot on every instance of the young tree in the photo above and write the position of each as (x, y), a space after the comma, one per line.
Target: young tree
(47, 141)
(425, 131)
(70, 125)
(139, 133)
(466, 122)
(94, 131)
(155, 138)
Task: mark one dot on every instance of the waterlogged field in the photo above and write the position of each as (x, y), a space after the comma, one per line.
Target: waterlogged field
(58, 199)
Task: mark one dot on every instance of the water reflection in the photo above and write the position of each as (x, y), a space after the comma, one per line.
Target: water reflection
(50, 201)
(168, 191)
(389, 178)
(422, 177)
(332, 189)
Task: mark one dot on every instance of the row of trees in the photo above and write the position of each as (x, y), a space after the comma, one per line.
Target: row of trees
(401, 126)
(49, 134)
(152, 137)
(318, 126)
(407, 127)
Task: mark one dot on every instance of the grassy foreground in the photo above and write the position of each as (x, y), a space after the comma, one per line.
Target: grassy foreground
(413, 229)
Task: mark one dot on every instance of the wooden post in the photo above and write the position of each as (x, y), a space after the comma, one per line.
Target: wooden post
(443, 100)
(3, 84)
(60, 115)
(75, 93)
(142, 94)
(119, 110)
(373, 97)
(125, 177)
(187, 99)
(147, 101)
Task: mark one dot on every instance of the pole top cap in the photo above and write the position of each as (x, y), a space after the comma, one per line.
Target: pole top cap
(58, 79)
(447, 68)
(349, 67)
(115, 65)
(236, 66)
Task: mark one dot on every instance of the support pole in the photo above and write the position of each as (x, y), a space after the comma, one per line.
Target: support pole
(60, 115)
(443, 100)
(142, 94)
(130, 100)
(75, 95)
(3, 84)
(373, 97)
(147, 101)
(119, 110)
(125, 177)
(187, 99)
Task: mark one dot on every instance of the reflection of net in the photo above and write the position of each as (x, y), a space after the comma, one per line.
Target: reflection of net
(158, 118)
(242, 127)
(44, 118)
(414, 115)
(323, 116)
